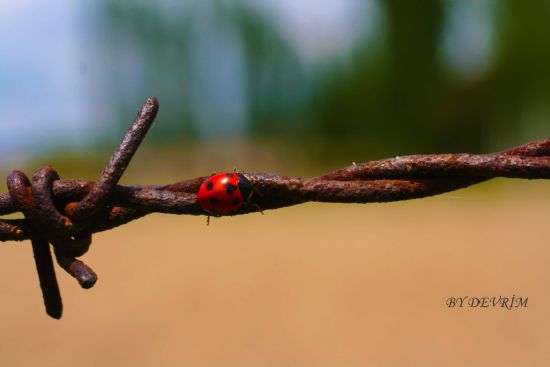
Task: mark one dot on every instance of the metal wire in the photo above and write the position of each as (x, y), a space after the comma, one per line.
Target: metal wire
(65, 213)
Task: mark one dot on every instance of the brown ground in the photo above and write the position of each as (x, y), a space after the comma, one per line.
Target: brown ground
(313, 285)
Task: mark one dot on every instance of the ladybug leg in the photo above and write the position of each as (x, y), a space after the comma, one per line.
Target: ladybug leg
(256, 206)
(211, 215)
(256, 192)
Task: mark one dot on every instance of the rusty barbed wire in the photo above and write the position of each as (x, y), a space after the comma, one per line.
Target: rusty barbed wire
(65, 213)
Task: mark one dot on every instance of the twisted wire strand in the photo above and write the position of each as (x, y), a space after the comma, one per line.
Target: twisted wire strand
(65, 213)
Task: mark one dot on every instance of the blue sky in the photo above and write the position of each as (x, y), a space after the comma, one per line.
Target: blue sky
(40, 89)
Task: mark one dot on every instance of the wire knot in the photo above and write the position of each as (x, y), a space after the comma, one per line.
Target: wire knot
(49, 224)
(68, 226)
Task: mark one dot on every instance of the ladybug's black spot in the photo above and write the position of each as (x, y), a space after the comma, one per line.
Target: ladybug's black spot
(210, 186)
(214, 201)
(230, 175)
(230, 189)
(236, 201)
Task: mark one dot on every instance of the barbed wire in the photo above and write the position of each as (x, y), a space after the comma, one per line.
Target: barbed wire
(65, 213)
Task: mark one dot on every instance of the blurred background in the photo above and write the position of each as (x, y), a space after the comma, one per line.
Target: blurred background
(345, 80)
(296, 87)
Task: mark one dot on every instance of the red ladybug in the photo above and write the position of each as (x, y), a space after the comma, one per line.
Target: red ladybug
(224, 193)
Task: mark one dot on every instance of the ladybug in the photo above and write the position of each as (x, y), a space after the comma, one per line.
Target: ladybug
(224, 192)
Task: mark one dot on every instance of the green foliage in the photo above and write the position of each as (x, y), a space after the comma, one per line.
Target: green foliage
(399, 97)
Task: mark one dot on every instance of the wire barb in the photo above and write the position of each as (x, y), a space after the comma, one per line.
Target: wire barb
(65, 213)
(98, 195)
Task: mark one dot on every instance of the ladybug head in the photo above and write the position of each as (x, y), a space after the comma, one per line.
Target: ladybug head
(245, 186)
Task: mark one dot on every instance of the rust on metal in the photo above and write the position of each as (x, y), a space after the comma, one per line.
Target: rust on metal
(65, 213)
